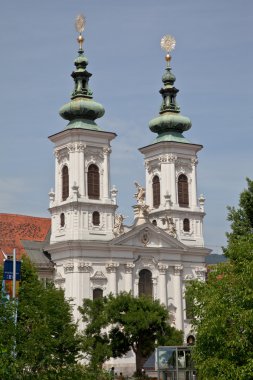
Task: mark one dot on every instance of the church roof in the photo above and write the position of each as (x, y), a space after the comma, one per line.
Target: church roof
(20, 231)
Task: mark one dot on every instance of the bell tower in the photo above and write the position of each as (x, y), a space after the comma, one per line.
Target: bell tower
(170, 162)
(81, 206)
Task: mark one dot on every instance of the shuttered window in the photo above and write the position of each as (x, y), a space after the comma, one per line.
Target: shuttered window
(65, 183)
(145, 283)
(96, 218)
(156, 191)
(93, 182)
(186, 225)
(183, 195)
(97, 293)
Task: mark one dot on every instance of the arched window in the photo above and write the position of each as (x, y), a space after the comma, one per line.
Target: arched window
(154, 222)
(95, 218)
(156, 191)
(97, 293)
(65, 182)
(183, 195)
(145, 283)
(186, 225)
(62, 219)
(93, 182)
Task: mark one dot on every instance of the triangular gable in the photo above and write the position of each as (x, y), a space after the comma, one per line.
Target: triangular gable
(148, 235)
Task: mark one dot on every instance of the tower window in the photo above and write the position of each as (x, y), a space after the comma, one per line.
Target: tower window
(183, 194)
(97, 293)
(154, 222)
(65, 182)
(186, 225)
(62, 219)
(145, 283)
(93, 182)
(156, 191)
(95, 218)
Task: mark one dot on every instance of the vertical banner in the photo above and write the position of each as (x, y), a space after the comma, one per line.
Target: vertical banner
(8, 277)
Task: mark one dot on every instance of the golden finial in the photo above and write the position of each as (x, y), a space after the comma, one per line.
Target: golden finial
(80, 24)
(168, 44)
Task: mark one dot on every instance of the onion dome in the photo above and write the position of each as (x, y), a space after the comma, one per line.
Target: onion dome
(170, 124)
(82, 110)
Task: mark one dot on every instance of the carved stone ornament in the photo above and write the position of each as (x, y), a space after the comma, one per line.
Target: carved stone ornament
(98, 280)
(129, 267)
(62, 154)
(112, 267)
(71, 148)
(194, 161)
(80, 147)
(68, 267)
(168, 158)
(84, 267)
(118, 228)
(107, 150)
(178, 269)
(145, 238)
(93, 155)
(59, 280)
(188, 277)
(184, 164)
(200, 272)
(162, 268)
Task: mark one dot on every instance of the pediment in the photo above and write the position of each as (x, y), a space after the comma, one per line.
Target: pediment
(148, 235)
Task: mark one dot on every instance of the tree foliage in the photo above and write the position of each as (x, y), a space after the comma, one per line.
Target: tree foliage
(37, 335)
(117, 324)
(223, 306)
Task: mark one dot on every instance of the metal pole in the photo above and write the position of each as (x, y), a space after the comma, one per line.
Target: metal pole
(14, 275)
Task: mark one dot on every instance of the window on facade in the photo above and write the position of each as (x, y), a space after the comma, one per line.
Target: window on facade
(65, 182)
(95, 218)
(62, 219)
(93, 182)
(186, 225)
(183, 195)
(156, 191)
(145, 283)
(97, 293)
(154, 222)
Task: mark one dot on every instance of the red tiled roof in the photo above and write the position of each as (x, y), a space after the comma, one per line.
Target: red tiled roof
(14, 228)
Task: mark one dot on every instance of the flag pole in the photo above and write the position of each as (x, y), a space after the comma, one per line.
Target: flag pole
(14, 275)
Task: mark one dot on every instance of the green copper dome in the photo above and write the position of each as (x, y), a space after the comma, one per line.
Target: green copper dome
(82, 110)
(170, 124)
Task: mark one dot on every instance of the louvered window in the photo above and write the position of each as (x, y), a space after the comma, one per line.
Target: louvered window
(96, 218)
(65, 183)
(93, 182)
(145, 283)
(183, 195)
(186, 225)
(156, 191)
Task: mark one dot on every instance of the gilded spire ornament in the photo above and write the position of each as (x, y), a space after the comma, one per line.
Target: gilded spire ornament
(80, 25)
(168, 43)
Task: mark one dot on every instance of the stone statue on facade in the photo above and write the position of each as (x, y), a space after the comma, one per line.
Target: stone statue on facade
(140, 194)
(118, 228)
(171, 227)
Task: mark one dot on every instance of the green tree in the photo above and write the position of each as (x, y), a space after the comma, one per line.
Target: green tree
(223, 306)
(117, 324)
(43, 338)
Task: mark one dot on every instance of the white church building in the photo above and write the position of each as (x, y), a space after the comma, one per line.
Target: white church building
(94, 253)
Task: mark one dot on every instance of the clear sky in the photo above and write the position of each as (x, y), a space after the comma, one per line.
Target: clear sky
(213, 63)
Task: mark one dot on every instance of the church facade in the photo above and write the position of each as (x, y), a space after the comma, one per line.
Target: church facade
(93, 251)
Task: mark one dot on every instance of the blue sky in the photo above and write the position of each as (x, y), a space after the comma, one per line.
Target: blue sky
(212, 62)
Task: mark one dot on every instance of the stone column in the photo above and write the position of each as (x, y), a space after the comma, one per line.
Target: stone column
(168, 173)
(112, 270)
(163, 283)
(154, 281)
(106, 178)
(80, 168)
(178, 296)
(72, 166)
(194, 163)
(129, 277)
